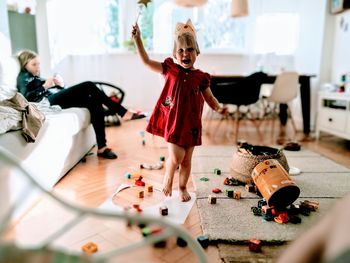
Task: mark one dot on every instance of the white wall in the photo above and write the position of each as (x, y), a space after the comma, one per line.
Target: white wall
(341, 55)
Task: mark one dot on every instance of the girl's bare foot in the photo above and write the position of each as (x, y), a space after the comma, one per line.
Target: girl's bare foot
(167, 186)
(184, 195)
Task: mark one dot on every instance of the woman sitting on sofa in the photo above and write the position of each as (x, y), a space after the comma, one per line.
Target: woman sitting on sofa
(85, 95)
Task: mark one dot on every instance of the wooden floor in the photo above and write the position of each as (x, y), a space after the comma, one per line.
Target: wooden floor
(94, 181)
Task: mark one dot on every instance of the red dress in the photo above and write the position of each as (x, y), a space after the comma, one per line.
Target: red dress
(177, 116)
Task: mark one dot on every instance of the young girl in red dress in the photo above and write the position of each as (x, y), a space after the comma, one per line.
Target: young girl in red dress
(178, 112)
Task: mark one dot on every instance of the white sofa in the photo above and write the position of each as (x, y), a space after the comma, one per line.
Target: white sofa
(63, 140)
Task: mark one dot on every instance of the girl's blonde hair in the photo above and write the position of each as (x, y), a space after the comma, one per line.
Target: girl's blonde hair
(24, 57)
(188, 39)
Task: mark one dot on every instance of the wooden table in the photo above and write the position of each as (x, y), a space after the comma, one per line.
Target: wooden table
(305, 93)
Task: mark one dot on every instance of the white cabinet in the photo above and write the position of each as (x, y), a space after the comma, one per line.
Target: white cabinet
(333, 114)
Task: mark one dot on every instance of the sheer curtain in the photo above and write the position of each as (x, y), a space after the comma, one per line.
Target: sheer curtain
(76, 27)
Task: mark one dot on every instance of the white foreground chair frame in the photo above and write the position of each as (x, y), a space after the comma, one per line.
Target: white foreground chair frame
(169, 229)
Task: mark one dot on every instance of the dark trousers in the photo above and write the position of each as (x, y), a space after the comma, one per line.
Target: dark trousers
(283, 114)
(87, 95)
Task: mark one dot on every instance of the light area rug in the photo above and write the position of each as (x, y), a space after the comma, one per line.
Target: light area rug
(231, 220)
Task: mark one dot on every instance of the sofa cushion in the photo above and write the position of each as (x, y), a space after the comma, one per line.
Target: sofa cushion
(9, 68)
(64, 139)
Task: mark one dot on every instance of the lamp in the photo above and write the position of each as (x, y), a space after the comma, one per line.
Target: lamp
(239, 8)
(190, 3)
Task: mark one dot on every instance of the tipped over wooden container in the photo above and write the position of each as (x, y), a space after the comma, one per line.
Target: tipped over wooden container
(248, 156)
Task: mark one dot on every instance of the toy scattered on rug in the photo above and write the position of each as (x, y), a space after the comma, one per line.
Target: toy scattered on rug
(231, 181)
(211, 200)
(216, 190)
(217, 171)
(204, 179)
(284, 215)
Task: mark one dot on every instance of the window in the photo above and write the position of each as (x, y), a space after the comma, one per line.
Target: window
(101, 26)
(216, 30)
(81, 27)
(276, 33)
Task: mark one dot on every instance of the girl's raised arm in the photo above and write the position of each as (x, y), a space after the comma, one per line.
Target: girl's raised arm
(152, 64)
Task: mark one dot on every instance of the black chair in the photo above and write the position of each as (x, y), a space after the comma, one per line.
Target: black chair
(117, 95)
(244, 92)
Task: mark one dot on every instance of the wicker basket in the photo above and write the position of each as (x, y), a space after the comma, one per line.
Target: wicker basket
(243, 163)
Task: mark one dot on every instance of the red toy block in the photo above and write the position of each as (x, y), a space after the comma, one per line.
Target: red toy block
(255, 245)
(216, 190)
(139, 182)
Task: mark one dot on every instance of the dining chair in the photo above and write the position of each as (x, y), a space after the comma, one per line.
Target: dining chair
(244, 92)
(283, 91)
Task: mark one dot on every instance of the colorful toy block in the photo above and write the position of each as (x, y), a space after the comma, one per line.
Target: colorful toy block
(217, 171)
(141, 194)
(203, 241)
(312, 205)
(181, 242)
(261, 203)
(231, 181)
(128, 175)
(255, 245)
(266, 209)
(211, 200)
(268, 217)
(139, 181)
(162, 158)
(150, 188)
(237, 195)
(163, 210)
(282, 218)
(229, 193)
(250, 188)
(256, 211)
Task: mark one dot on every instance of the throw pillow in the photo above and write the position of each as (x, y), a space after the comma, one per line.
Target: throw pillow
(9, 69)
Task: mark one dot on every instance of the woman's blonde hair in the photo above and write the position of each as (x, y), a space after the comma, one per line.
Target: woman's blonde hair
(24, 57)
(188, 39)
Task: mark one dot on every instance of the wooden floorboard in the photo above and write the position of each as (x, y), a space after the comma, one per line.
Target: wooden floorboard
(92, 182)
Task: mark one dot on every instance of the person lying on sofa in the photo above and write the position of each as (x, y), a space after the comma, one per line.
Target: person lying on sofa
(85, 95)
